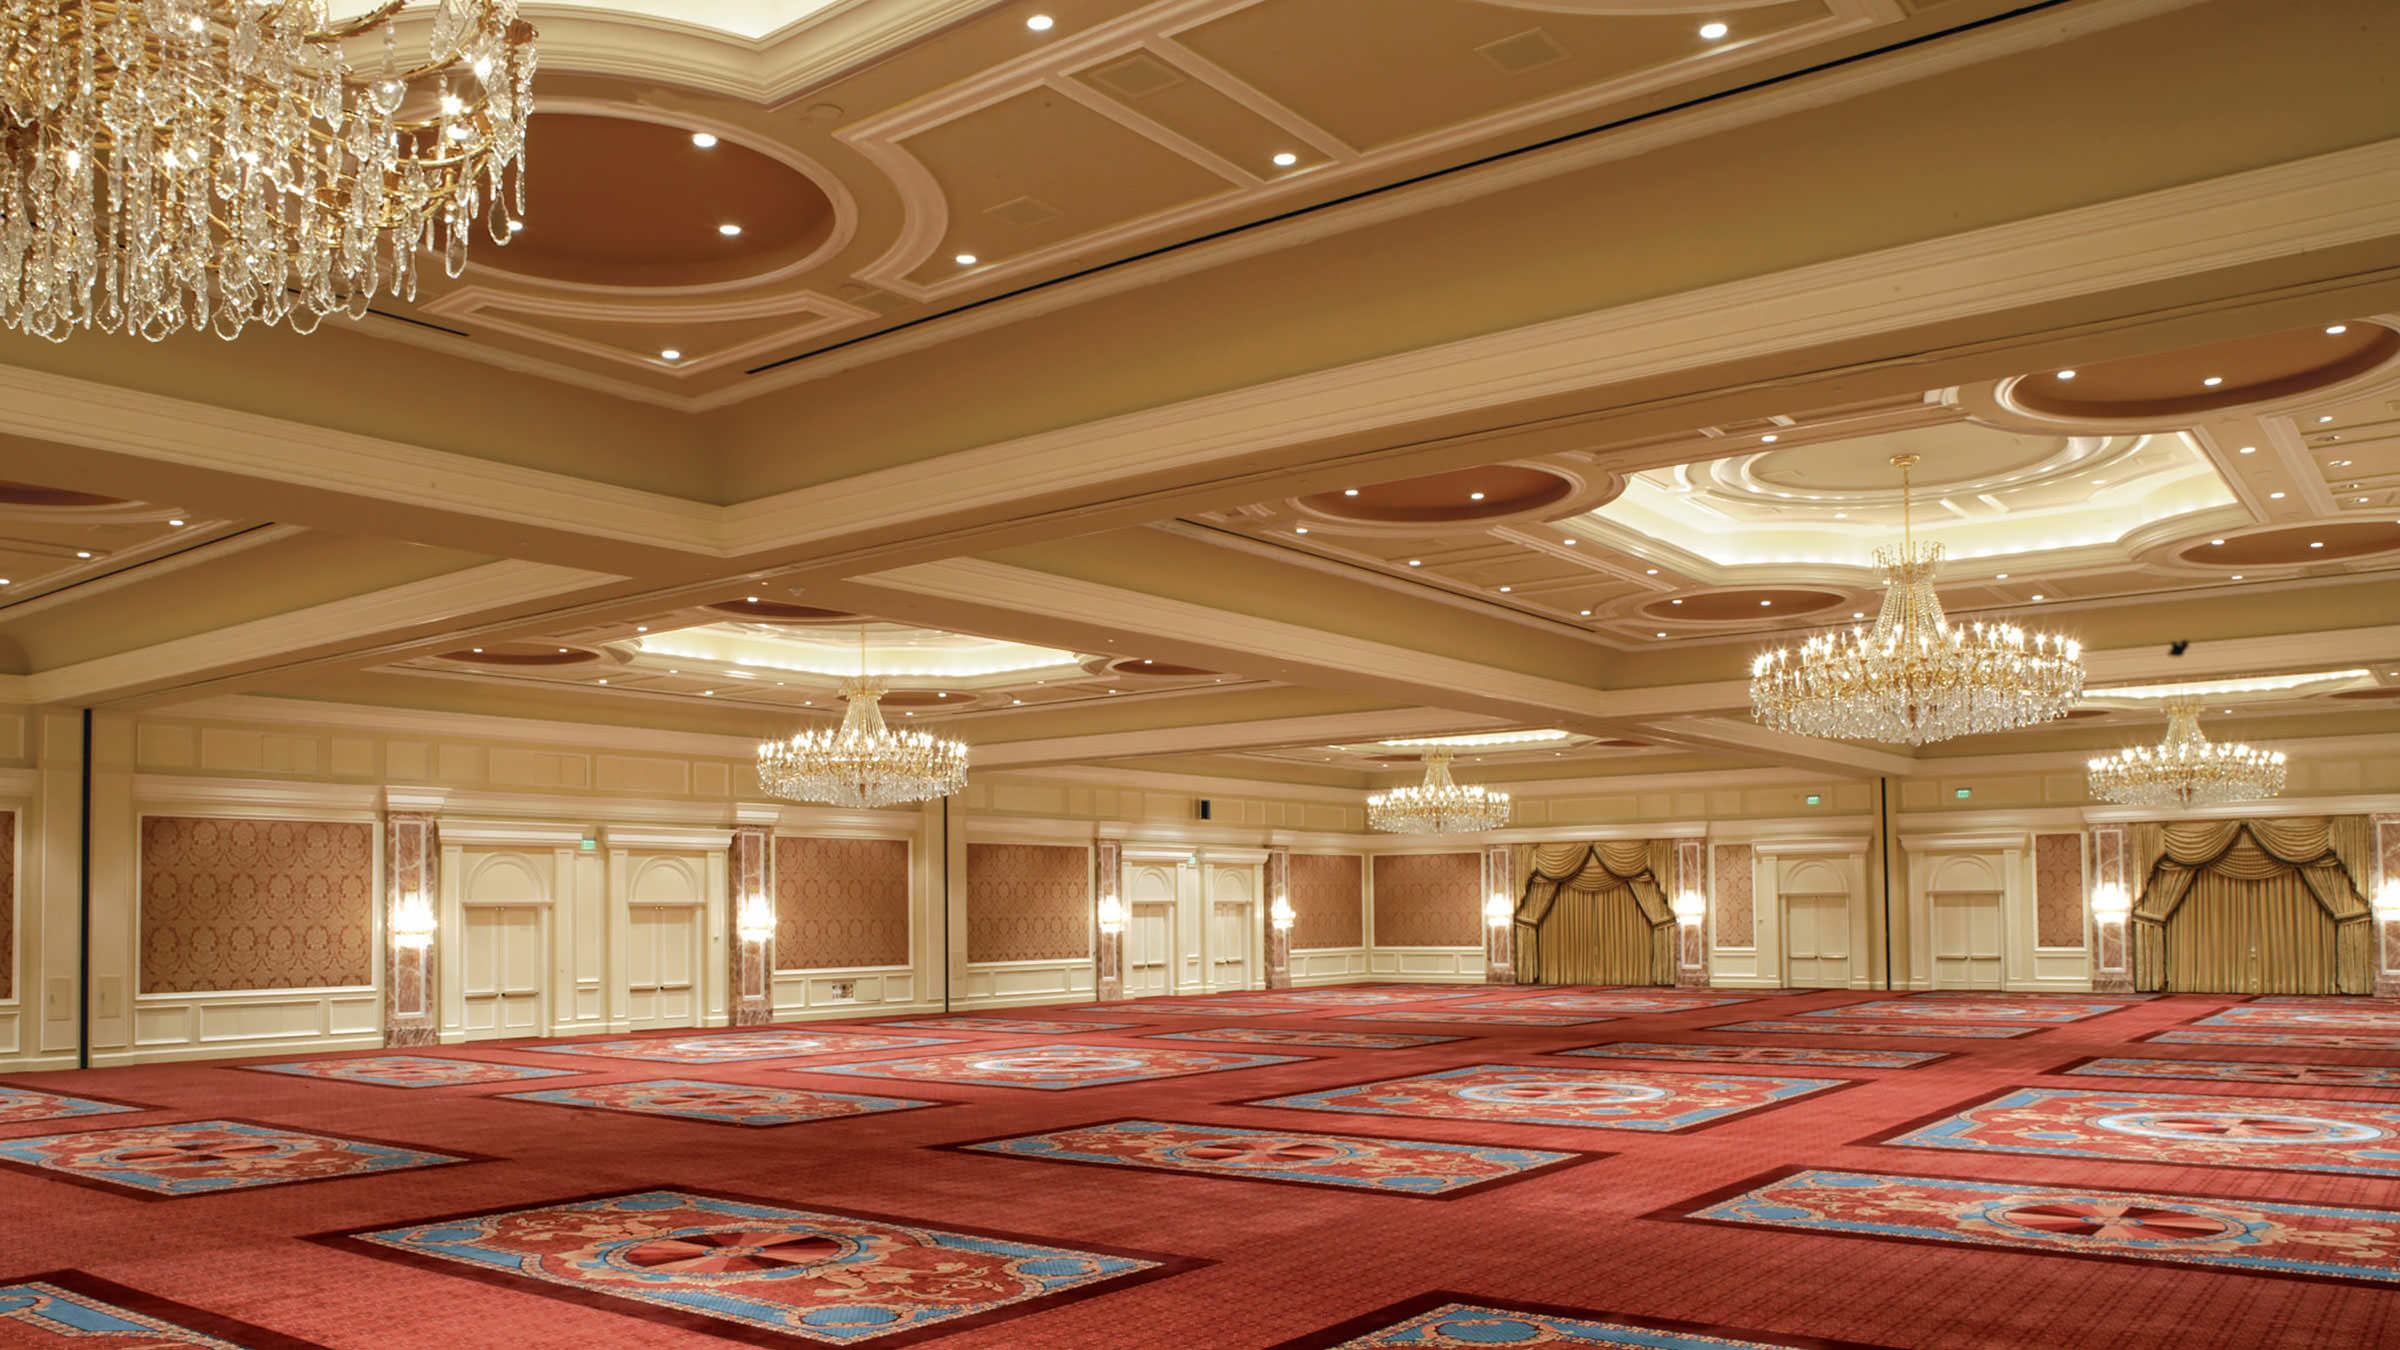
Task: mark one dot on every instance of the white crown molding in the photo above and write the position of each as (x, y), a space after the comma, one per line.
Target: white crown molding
(1984, 842)
(328, 801)
(1779, 846)
(1229, 737)
(618, 838)
(428, 801)
(1008, 830)
(259, 709)
(510, 833)
(1197, 784)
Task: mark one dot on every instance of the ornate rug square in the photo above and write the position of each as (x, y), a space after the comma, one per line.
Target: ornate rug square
(1202, 1007)
(407, 1071)
(741, 1046)
(1369, 998)
(1054, 1068)
(1802, 1055)
(2319, 1040)
(1016, 1026)
(2174, 1127)
(1438, 1321)
(70, 1310)
(1618, 1099)
(738, 1267)
(19, 1106)
(2001, 1010)
(1476, 1019)
(1605, 1003)
(2240, 1071)
(2323, 1015)
(1339, 1040)
(1410, 1167)
(1965, 1031)
(718, 1103)
(200, 1157)
(2321, 1242)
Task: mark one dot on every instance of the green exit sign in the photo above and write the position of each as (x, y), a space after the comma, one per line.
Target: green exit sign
(1815, 800)
(588, 845)
(1963, 793)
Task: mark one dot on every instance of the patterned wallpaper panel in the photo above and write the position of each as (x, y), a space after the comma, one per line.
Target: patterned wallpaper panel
(1328, 900)
(2058, 890)
(1733, 914)
(1428, 899)
(841, 902)
(1028, 902)
(255, 904)
(8, 904)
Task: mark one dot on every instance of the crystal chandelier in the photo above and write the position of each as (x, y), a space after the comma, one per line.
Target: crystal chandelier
(1437, 805)
(863, 762)
(2186, 769)
(209, 164)
(1913, 676)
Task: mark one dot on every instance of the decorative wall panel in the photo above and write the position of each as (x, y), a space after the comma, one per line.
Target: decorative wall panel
(1429, 900)
(8, 904)
(1328, 900)
(841, 903)
(2058, 890)
(1028, 902)
(255, 904)
(1734, 923)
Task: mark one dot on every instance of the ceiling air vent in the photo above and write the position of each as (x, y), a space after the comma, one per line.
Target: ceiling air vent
(1023, 212)
(1525, 51)
(1137, 76)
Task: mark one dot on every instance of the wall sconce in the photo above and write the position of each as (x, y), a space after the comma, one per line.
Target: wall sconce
(2387, 899)
(413, 923)
(2110, 904)
(756, 922)
(1112, 914)
(1497, 911)
(1280, 914)
(1690, 908)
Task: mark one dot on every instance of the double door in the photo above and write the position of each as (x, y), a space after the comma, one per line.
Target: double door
(503, 954)
(1150, 949)
(1967, 951)
(1816, 941)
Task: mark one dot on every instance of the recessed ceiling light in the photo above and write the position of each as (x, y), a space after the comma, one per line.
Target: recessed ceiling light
(1674, 602)
(1841, 515)
(2212, 381)
(2001, 577)
(729, 230)
(1568, 542)
(704, 140)
(2249, 449)
(2337, 330)
(1040, 23)
(2341, 464)
(1764, 603)
(1349, 492)
(670, 354)
(1586, 613)
(562, 651)
(1504, 590)
(967, 260)
(711, 693)
(2326, 417)
(2066, 375)
(1768, 439)
(1015, 701)
(2274, 496)
(2362, 499)
(2237, 576)
(1712, 31)
(750, 599)
(1474, 496)
(1286, 159)
(1858, 614)
(641, 628)
(2038, 596)
(2316, 543)
(1662, 634)
(2216, 543)
(1300, 530)
(176, 523)
(603, 681)
(479, 651)
(1416, 562)
(82, 553)
(2099, 482)
(4, 581)
(1650, 572)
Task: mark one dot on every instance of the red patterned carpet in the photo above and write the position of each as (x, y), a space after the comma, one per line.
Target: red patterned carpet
(1445, 1179)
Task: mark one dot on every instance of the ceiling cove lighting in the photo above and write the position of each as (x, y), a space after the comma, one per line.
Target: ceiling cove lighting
(704, 140)
(2186, 769)
(863, 763)
(1437, 805)
(195, 215)
(1913, 677)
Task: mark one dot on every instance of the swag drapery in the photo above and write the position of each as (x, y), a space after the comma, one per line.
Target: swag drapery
(2241, 906)
(1595, 913)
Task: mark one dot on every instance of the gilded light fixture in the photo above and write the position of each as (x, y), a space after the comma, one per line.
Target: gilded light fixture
(209, 164)
(1437, 805)
(1280, 914)
(756, 920)
(1913, 677)
(862, 762)
(413, 924)
(1112, 914)
(2186, 769)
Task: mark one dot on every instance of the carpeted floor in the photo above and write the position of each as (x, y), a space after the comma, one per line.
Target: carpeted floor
(1356, 1167)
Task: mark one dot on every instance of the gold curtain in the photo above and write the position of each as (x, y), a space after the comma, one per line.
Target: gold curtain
(2250, 873)
(1594, 913)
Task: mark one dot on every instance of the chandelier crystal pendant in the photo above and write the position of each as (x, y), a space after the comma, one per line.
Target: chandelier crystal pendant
(862, 763)
(209, 164)
(1437, 805)
(2186, 769)
(1914, 677)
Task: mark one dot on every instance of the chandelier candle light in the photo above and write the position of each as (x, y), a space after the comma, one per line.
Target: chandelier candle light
(1913, 677)
(210, 164)
(862, 763)
(1437, 805)
(2187, 769)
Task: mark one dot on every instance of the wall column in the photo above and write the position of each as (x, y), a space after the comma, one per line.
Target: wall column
(2110, 899)
(1279, 900)
(1499, 939)
(2386, 883)
(411, 873)
(1108, 953)
(751, 870)
(1691, 929)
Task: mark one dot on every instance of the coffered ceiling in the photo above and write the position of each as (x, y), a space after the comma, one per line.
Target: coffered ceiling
(1558, 369)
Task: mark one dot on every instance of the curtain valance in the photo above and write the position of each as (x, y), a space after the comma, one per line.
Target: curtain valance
(1586, 870)
(2324, 853)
